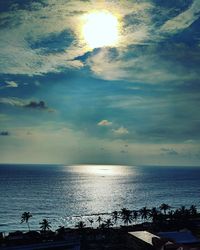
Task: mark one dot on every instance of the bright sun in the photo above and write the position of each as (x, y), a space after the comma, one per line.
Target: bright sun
(100, 29)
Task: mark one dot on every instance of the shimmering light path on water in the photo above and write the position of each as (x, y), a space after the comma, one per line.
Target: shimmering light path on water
(63, 194)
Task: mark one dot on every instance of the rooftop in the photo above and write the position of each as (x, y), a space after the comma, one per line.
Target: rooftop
(144, 236)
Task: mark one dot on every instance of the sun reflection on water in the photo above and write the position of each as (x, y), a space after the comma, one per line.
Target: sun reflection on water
(97, 189)
(101, 170)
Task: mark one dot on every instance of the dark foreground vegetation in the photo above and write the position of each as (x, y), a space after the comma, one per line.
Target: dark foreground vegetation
(107, 233)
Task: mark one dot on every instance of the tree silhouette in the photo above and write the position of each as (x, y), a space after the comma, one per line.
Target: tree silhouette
(193, 210)
(126, 216)
(99, 220)
(164, 207)
(154, 214)
(102, 226)
(25, 218)
(61, 230)
(108, 223)
(171, 215)
(91, 221)
(135, 215)
(80, 225)
(45, 225)
(115, 216)
(144, 212)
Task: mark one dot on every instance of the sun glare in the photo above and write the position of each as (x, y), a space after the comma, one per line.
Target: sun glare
(101, 170)
(100, 29)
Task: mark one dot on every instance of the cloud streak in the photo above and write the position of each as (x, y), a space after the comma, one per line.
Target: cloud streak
(13, 101)
(151, 64)
(17, 102)
(169, 151)
(183, 20)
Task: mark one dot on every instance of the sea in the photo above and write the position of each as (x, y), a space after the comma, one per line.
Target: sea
(65, 195)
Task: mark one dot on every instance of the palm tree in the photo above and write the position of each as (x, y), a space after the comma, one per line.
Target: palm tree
(184, 212)
(171, 215)
(80, 225)
(193, 210)
(182, 215)
(108, 223)
(164, 207)
(126, 216)
(99, 220)
(102, 226)
(25, 218)
(45, 225)
(177, 215)
(144, 212)
(91, 221)
(115, 216)
(153, 214)
(135, 215)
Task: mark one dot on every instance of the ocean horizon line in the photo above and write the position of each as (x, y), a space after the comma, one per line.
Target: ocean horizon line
(100, 164)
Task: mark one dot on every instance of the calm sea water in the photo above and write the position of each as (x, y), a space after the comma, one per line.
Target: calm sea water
(66, 194)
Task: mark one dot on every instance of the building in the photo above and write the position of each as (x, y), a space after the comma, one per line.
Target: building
(183, 240)
(142, 240)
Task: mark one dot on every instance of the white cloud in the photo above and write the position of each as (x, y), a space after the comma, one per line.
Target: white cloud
(104, 123)
(11, 84)
(39, 21)
(121, 131)
(17, 55)
(183, 20)
(145, 67)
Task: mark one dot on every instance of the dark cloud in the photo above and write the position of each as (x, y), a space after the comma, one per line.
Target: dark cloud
(36, 105)
(4, 133)
(17, 102)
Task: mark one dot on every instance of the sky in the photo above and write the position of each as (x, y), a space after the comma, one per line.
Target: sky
(135, 101)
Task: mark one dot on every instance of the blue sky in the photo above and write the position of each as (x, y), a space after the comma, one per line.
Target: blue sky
(136, 102)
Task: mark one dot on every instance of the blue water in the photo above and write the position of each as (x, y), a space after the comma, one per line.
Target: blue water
(66, 194)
